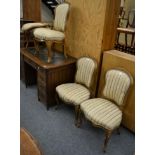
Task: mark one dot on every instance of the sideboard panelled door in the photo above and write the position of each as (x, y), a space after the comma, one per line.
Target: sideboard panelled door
(32, 10)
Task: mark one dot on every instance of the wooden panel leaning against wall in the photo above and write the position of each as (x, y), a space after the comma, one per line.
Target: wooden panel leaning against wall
(113, 59)
(86, 26)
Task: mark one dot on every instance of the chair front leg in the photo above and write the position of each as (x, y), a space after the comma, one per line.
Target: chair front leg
(77, 107)
(49, 45)
(64, 51)
(57, 101)
(118, 130)
(79, 118)
(36, 46)
(26, 37)
(107, 137)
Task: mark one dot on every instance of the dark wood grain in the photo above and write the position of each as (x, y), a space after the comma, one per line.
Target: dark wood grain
(47, 75)
(32, 10)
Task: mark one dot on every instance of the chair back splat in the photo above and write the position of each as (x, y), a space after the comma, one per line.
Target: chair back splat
(86, 68)
(61, 13)
(117, 83)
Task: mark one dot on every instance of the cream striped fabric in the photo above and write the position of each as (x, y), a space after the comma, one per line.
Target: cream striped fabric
(48, 34)
(61, 16)
(28, 26)
(117, 84)
(85, 69)
(102, 112)
(73, 93)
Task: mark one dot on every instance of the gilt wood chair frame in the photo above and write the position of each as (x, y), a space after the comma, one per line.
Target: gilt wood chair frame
(50, 43)
(108, 132)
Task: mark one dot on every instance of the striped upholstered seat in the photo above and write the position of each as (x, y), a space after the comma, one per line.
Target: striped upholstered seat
(106, 112)
(48, 34)
(102, 113)
(76, 93)
(73, 93)
(29, 26)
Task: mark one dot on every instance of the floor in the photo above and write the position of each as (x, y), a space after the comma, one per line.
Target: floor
(57, 135)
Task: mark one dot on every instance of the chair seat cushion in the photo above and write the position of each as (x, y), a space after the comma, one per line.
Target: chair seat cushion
(29, 26)
(48, 34)
(73, 93)
(102, 112)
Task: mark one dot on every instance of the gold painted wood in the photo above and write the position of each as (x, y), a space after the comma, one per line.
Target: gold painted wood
(112, 59)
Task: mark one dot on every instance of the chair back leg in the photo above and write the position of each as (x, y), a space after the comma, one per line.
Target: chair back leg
(107, 137)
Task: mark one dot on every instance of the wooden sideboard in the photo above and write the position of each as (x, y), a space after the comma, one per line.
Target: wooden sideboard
(46, 75)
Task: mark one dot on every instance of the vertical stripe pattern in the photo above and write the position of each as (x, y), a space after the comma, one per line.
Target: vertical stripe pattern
(116, 86)
(102, 112)
(61, 16)
(72, 93)
(85, 69)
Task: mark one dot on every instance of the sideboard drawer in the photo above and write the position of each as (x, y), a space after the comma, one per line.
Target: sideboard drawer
(32, 63)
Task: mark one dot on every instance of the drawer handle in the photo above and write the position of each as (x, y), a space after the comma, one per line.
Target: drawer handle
(38, 68)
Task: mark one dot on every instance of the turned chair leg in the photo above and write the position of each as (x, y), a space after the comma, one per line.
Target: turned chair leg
(49, 45)
(79, 118)
(107, 137)
(26, 37)
(64, 51)
(36, 46)
(118, 130)
(57, 101)
(77, 108)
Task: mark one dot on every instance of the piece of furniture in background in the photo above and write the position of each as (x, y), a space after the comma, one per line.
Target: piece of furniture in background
(32, 10)
(28, 145)
(27, 29)
(114, 58)
(106, 112)
(126, 28)
(46, 75)
(56, 34)
(81, 90)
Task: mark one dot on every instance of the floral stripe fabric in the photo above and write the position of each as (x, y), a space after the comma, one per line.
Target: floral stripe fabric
(85, 69)
(102, 112)
(48, 34)
(73, 93)
(116, 86)
(61, 16)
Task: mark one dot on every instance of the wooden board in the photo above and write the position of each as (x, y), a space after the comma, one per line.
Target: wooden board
(87, 22)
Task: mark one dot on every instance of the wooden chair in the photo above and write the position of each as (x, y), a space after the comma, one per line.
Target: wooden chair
(128, 30)
(81, 90)
(56, 34)
(27, 29)
(106, 112)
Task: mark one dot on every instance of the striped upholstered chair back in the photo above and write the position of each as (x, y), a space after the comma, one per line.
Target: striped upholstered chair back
(117, 83)
(86, 68)
(61, 13)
